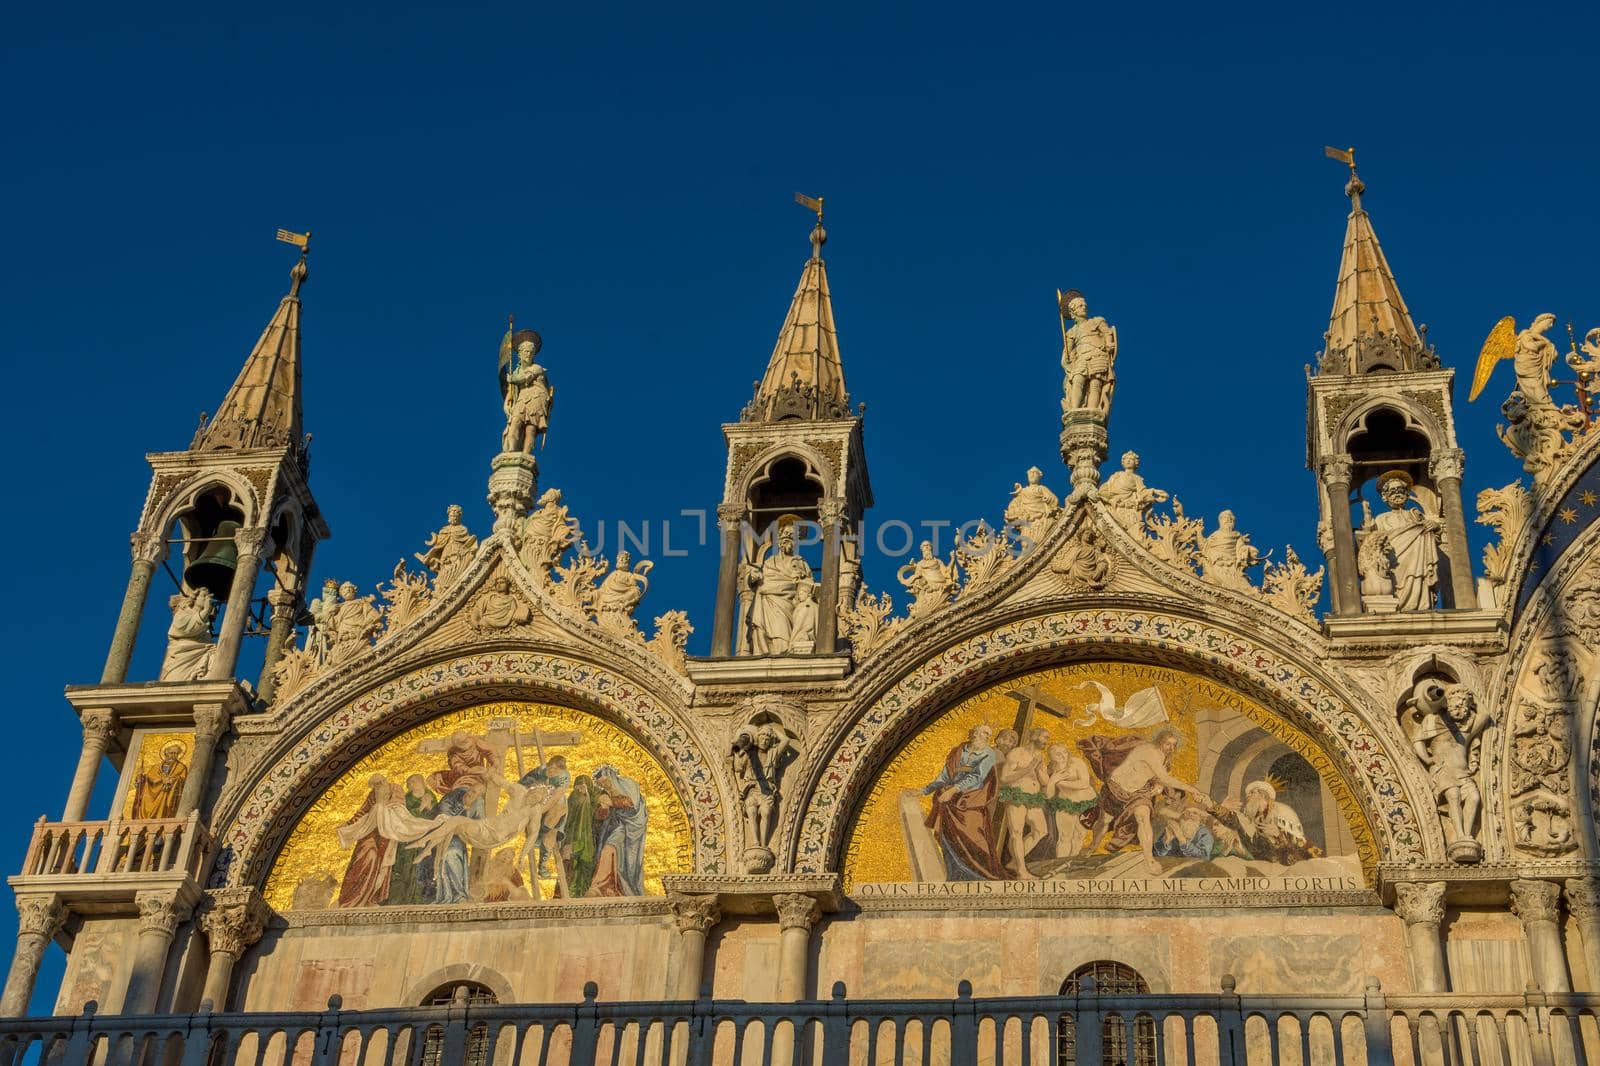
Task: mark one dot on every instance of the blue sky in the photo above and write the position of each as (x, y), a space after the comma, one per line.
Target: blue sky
(622, 182)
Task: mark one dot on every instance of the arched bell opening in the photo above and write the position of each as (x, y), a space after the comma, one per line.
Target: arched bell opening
(206, 531)
(782, 561)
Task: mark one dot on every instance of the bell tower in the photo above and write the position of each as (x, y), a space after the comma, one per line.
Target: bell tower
(234, 502)
(795, 490)
(1381, 439)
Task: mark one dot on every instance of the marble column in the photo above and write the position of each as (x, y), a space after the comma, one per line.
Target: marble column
(99, 726)
(230, 635)
(695, 917)
(148, 551)
(797, 913)
(831, 514)
(729, 519)
(1336, 472)
(1538, 904)
(1583, 902)
(210, 722)
(160, 914)
(1420, 904)
(39, 918)
(285, 603)
(233, 920)
(1446, 467)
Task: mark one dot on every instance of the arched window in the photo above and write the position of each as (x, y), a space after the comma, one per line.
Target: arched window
(1110, 979)
(458, 994)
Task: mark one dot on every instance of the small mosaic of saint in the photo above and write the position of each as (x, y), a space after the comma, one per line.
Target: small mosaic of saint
(530, 803)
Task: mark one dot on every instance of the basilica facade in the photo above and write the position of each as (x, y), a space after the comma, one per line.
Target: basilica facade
(1103, 738)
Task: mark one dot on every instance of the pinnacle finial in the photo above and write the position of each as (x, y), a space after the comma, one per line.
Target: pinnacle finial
(819, 236)
(299, 272)
(1355, 186)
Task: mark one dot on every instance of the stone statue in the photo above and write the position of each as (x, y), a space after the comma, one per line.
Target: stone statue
(319, 638)
(527, 394)
(1398, 551)
(1535, 355)
(1084, 563)
(352, 623)
(449, 550)
(546, 534)
(497, 608)
(782, 618)
(1088, 353)
(760, 756)
(619, 593)
(1126, 497)
(1032, 507)
(1446, 727)
(1226, 554)
(189, 644)
(932, 583)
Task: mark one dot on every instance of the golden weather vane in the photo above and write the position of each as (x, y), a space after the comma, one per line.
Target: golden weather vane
(299, 240)
(1347, 156)
(812, 202)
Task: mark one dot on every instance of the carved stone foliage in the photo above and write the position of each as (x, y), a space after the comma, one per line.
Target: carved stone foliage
(796, 910)
(1539, 773)
(234, 919)
(694, 913)
(671, 640)
(160, 912)
(1224, 557)
(1420, 902)
(1536, 901)
(1505, 510)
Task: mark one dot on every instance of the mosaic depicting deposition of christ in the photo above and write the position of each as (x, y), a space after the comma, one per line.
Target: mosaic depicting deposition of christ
(1110, 777)
(499, 803)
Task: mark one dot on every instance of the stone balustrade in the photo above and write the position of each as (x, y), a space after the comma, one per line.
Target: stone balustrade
(71, 856)
(1216, 1028)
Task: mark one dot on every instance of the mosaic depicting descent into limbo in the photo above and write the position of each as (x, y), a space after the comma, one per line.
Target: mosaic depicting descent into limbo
(499, 803)
(1109, 777)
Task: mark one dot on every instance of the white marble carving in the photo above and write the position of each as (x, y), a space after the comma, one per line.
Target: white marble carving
(931, 582)
(782, 616)
(1126, 495)
(1088, 357)
(527, 397)
(1032, 508)
(1226, 554)
(1398, 550)
(449, 550)
(190, 646)
(619, 593)
(1446, 727)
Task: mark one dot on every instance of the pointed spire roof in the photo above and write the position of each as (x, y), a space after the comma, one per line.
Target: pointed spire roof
(262, 409)
(805, 376)
(1370, 328)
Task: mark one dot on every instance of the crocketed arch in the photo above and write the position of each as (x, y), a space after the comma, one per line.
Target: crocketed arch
(862, 742)
(182, 499)
(260, 816)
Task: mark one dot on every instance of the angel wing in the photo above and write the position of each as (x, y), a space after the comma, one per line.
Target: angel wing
(1501, 344)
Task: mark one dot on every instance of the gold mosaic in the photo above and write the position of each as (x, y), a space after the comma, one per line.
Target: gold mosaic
(1109, 777)
(465, 808)
(158, 780)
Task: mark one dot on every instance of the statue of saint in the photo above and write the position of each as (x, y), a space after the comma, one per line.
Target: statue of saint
(783, 606)
(1398, 551)
(1088, 353)
(619, 593)
(527, 394)
(189, 643)
(759, 758)
(1226, 554)
(546, 534)
(1534, 357)
(352, 623)
(932, 583)
(497, 608)
(1126, 496)
(319, 637)
(449, 550)
(1032, 506)
(1445, 727)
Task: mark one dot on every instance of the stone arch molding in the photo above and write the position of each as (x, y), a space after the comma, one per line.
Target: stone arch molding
(866, 738)
(270, 802)
(181, 497)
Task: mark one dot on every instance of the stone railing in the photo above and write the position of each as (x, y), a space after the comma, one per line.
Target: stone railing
(143, 850)
(1144, 1030)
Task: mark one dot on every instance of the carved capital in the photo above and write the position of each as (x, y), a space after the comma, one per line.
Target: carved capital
(796, 910)
(99, 726)
(1447, 463)
(234, 919)
(1536, 901)
(148, 547)
(1336, 469)
(1419, 902)
(210, 721)
(281, 599)
(1583, 899)
(694, 914)
(40, 916)
(831, 511)
(160, 912)
(729, 515)
(249, 542)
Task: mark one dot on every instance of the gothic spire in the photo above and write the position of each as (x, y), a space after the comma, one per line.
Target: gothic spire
(805, 377)
(262, 409)
(1370, 329)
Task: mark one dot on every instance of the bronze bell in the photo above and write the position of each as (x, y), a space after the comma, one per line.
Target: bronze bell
(213, 568)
